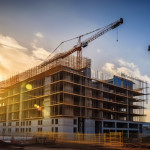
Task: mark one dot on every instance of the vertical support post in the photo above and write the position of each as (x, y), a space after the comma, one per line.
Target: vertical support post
(102, 124)
(78, 137)
(110, 137)
(128, 131)
(79, 58)
(140, 137)
(115, 126)
(122, 139)
(122, 136)
(104, 138)
(99, 137)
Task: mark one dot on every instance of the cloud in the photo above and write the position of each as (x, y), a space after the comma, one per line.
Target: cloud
(127, 64)
(39, 52)
(8, 42)
(39, 35)
(127, 68)
(16, 58)
(99, 50)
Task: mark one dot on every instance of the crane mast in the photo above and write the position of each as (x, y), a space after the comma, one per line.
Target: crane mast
(78, 48)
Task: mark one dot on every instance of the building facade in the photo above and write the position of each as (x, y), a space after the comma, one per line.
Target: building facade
(64, 99)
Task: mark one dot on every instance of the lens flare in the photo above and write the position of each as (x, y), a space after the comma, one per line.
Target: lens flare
(35, 105)
(29, 87)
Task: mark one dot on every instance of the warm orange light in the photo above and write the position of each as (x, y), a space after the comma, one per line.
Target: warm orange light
(39, 109)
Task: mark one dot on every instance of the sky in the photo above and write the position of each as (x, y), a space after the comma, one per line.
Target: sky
(31, 30)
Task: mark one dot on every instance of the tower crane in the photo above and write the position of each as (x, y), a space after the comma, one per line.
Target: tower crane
(78, 48)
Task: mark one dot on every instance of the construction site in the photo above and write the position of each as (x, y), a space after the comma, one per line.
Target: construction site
(62, 95)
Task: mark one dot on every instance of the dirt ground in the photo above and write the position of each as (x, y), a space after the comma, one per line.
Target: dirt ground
(70, 146)
(54, 146)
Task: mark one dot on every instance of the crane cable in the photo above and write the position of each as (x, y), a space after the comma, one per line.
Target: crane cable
(117, 35)
(71, 40)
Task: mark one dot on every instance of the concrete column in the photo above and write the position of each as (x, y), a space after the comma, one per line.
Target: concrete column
(138, 129)
(115, 126)
(127, 107)
(128, 130)
(22, 86)
(102, 126)
(46, 103)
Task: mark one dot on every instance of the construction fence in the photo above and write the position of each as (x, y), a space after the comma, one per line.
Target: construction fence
(136, 138)
(105, 139)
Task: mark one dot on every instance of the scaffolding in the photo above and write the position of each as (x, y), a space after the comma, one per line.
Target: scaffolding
(69, 61)
(139, 86)
(68, 92)
(62, 90)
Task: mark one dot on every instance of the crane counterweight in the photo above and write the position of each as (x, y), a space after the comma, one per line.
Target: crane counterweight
(149, 48)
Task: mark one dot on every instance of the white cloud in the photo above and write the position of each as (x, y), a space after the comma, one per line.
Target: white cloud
(99, 50)
(109, 68)
(6, 41)
(14, 57)
(127, 64)
(39, 35)
(127, 68)
(39, 52)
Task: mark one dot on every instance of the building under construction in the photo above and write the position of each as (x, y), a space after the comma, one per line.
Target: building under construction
(61, 95)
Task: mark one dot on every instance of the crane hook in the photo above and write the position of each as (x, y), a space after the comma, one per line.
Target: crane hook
(117, 35)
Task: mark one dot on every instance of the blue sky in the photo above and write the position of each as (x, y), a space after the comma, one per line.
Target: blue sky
(21, 22)
(58, 20)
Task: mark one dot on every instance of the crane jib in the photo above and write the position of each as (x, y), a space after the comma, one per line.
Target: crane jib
(84, 43)
(118, 23)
